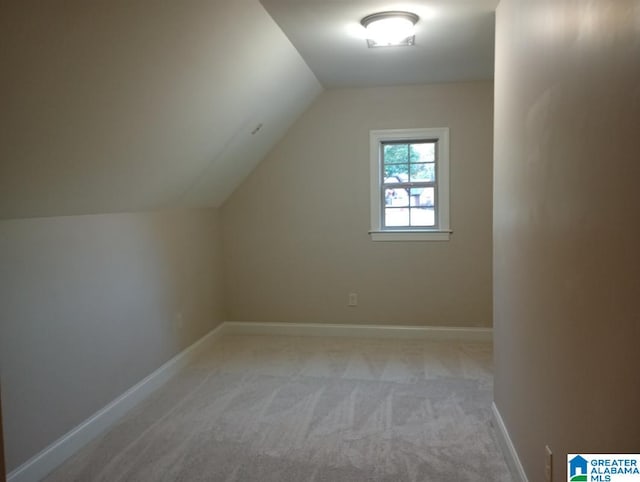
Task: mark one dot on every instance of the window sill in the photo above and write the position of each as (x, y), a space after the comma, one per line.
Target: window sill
(413, 235)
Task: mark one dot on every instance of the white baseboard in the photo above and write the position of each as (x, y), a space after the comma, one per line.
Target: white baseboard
(38, 466)
(436, 333)
(509, 450)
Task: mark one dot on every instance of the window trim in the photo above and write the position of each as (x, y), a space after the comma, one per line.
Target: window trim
(442, 231)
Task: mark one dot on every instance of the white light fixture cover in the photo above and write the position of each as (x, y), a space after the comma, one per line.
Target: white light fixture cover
(386, 29)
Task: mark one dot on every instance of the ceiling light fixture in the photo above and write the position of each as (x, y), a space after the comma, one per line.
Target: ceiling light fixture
(386, 29)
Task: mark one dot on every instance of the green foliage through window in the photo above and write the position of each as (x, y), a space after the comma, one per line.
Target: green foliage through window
(409, 177)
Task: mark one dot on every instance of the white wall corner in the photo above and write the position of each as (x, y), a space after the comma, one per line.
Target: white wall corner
(41, 464)
(508, 449)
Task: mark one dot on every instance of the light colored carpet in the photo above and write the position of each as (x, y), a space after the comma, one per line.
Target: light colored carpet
(261, 408)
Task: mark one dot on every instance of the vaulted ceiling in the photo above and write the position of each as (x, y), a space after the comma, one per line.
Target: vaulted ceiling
(131, 105)
(137, 105)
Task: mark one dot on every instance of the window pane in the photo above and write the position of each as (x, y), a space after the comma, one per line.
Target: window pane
(396, 173)
(394, 217)
(423, 172)
(396, 197)
(422, 196)
(424, 152)
(396, 153)
(423, 217)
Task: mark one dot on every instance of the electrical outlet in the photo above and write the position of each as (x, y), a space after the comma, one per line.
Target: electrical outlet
(353, 299)
(548, 464)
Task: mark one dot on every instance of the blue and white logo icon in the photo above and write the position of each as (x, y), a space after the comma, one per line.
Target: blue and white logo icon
(578, 468)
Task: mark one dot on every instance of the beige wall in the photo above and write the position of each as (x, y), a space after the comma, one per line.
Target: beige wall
(88, 307)
(566, 236)
(295, 232)
(3, 469)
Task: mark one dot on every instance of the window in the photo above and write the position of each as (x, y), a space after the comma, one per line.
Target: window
(410, 185)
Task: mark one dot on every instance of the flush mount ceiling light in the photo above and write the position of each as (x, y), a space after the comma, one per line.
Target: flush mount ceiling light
(386, 29)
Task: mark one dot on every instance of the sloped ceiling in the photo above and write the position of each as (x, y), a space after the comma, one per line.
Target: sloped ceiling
(129, 105)
(134, 105)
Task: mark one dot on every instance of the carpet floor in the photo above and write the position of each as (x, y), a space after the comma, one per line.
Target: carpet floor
(275, 408)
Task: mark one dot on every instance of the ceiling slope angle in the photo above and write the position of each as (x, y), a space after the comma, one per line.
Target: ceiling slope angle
(123, 107)
(454, 41)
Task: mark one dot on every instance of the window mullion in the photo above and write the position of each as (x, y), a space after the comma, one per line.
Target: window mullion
(407, 185)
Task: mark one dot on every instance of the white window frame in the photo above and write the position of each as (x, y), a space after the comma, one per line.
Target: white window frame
(442, 230)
